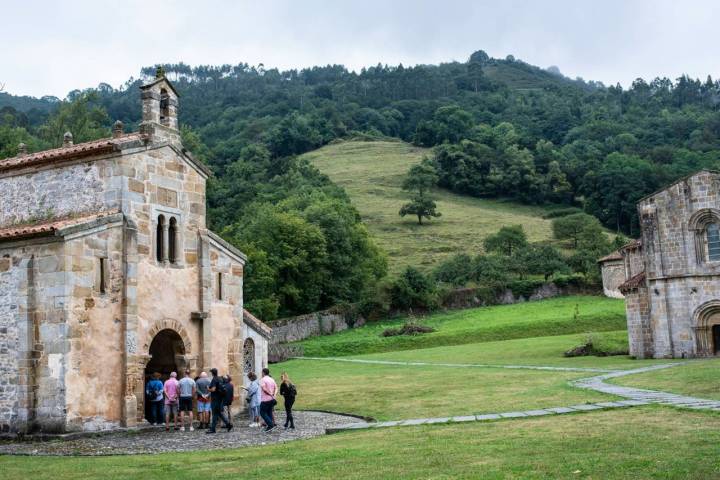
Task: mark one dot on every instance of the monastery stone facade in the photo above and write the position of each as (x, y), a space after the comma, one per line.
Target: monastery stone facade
(109, 273)
(672, 286)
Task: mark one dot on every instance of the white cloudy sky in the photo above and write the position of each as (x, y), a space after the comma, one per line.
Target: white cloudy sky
(51, 47)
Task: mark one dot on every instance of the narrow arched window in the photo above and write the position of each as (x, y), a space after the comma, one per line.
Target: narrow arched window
(712, 232)
(160, 238)
(172, 240)
(164, 106)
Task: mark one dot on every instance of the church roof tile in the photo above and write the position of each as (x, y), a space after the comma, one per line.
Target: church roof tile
(50, 226)
(85, 149)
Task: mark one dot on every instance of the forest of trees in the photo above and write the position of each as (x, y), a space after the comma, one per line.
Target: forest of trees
(498, 128)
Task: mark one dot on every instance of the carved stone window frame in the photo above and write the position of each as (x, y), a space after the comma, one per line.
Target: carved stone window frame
(698, 225)
(169, 213)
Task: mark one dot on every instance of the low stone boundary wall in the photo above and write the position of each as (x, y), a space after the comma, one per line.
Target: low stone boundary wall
(325, 322)
(279, 352)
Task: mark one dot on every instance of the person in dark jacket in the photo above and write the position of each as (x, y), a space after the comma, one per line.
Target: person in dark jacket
(217, 397)
(229, 394)
(289, 392)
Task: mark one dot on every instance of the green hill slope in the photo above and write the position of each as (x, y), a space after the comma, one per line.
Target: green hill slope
(372, 172)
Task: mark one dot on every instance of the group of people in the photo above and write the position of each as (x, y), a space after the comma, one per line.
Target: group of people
(214, 400)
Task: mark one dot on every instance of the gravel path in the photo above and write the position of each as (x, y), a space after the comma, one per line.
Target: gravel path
(157, 440)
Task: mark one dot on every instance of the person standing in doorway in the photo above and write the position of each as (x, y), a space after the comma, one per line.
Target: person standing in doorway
(202, 385)
(229, 395)
(253, 400)
(171, 401)
(217, 395)
(187, 389)
(289, 392)
(154, 392)
(268, 391)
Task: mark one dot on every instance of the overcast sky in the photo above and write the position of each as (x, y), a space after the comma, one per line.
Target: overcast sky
(52, 47)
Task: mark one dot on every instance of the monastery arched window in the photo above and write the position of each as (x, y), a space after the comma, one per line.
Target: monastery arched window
(172, 240)
(712, 237)
(160, 238)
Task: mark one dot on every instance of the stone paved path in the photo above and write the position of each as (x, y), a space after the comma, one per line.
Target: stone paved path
(633, 397)
(649, 396)
(157, 440)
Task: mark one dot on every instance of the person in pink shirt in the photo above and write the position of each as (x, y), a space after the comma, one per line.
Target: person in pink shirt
(171, 400)
(268, 391)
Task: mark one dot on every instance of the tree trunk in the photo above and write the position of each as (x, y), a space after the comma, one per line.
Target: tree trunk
(419, 219)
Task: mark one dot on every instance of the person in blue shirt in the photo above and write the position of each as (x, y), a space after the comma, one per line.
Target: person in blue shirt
(154, 392)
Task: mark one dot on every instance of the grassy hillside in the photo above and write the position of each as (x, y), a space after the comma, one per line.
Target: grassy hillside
(372, 172)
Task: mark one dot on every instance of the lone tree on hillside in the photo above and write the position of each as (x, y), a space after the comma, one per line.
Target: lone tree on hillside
(420, 179)
(506, 241)
(571, 227)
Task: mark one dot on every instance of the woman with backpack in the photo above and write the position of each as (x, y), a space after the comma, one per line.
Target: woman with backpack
(289, 392)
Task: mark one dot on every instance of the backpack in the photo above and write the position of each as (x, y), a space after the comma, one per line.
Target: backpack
(293, 390)
(221, 389)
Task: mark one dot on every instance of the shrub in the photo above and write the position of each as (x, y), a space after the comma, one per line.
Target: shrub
(413, 290)
(574, 280)
(602, 344)
(456, 270)
(524, 288)
(561, 212)
(409, 328)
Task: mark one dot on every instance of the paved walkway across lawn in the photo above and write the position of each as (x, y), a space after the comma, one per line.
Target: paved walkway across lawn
(632, 396)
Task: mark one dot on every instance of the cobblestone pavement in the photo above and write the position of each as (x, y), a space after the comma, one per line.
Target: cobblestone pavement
(157, 440)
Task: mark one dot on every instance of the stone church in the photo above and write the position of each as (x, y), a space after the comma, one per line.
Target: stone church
(108, 273)
(672, 272)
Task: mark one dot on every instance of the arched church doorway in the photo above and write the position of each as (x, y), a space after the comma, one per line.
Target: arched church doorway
(167, 350)
(716, 339)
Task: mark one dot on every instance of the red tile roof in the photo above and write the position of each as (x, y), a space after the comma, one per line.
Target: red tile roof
(79, 150)
(613, 256)
(633, 283)
(49, 227)
(632, 245)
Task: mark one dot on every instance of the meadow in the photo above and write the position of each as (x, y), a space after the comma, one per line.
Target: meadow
(371, 172)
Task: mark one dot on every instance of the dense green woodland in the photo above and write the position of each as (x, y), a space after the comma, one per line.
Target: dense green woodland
(501, 128)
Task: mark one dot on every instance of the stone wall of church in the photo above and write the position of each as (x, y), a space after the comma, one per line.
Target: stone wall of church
(94, 367)
(33, 336)
(10, 286)
(43, 193)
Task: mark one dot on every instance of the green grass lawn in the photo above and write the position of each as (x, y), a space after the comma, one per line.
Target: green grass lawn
(533, 319)
(372, 172)
(699, 378)
(639, 443)
(394, 392)
(547, 351)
